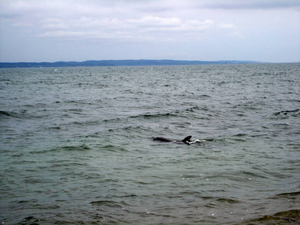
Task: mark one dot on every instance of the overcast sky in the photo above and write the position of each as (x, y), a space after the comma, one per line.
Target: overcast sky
(78, 30)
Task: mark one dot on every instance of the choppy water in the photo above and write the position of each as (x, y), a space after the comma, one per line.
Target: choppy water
(77, 148)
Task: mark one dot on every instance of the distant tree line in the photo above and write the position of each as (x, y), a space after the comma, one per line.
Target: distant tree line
(117, 63)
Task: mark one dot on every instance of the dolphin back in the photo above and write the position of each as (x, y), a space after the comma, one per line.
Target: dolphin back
(162, 139)
(187, 139)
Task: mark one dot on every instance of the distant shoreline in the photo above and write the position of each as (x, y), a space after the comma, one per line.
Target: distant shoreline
(140, 62)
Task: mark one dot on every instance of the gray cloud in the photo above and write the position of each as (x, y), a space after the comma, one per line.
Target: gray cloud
(174, 26)
(250, 5)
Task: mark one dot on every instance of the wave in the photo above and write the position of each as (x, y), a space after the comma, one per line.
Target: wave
(12, 114)
(20, 114)
(81, 147)
(289, 194)
(284, 217)
(228, 200)
(295, 113)
(29, 220)
(112, 148)
(154, 115)
(106, 203)
(4, 113)
(170, 114)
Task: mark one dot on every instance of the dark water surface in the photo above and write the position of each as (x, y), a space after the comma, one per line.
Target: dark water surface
(76, 145)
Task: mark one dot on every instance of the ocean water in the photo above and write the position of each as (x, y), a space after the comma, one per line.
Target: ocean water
(76, 145)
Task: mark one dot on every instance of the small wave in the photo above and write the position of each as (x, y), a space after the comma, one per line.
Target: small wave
(82, 147)
(155, 115)
(204, 96)
(113, 148)
(21, 114)
(76, 148)
(227, 200)
(133, 128)
(169, 114)
(76, 102)
(293, 100)
(285, 217)
(253, 174)
(54, 128)
(261, 73)
(30, 220)
(240, 135)
(250, 105)
(11, 114)
(86, 123)
(113, 120)
(290, 194)
(74, 110)
(195, 108)
(105, 202)
(4, 113)
(295, 113)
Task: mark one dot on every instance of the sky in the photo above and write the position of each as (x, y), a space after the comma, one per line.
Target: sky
(205, 30)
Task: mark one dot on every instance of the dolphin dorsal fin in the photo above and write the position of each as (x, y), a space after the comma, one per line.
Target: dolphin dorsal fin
(187, 139)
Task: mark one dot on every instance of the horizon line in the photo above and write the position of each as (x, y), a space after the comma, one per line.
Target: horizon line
(128, 62)
(141, 59)
(187, 60)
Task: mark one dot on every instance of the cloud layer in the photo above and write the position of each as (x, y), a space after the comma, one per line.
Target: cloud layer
(135, 22)
(99, 20)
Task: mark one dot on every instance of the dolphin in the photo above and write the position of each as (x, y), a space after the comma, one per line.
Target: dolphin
(187, 140)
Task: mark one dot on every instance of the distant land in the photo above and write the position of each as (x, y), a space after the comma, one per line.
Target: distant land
(141, 62)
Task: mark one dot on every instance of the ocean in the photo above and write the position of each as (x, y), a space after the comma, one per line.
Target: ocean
(76, 145)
